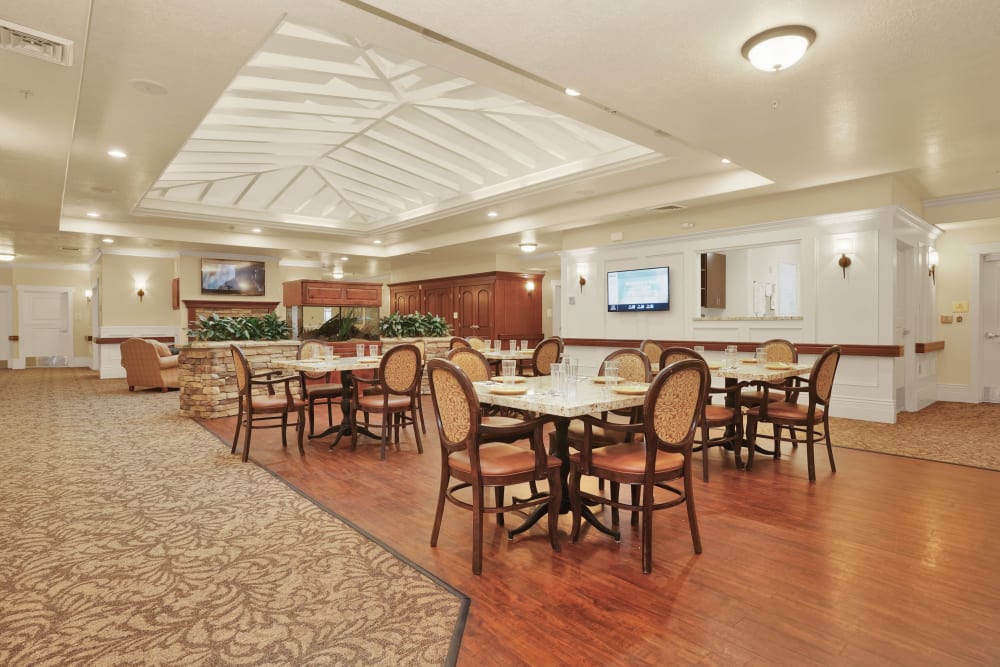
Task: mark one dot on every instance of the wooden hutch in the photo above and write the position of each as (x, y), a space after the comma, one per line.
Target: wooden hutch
(496, 305)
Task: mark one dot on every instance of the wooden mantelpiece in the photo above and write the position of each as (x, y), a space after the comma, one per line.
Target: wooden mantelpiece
(227, 306)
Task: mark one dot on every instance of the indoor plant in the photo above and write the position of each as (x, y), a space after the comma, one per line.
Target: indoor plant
(250, 327)
(413, 325)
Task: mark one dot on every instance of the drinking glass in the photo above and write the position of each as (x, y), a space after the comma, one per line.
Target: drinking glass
(509, 369)
(373, 350)
(524, 346)
(699, 349)
(558, 379)
(327, 352)
(611, 373)
(359, 350)
(513, 346)
(761, 354)
(730, 356)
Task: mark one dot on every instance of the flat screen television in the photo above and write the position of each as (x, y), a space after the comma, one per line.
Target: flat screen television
(639, 290)
(228, 276)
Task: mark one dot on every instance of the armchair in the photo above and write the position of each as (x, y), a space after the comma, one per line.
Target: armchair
(148, 363)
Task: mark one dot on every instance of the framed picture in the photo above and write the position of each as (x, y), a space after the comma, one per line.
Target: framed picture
(175, 294)
(226, 276)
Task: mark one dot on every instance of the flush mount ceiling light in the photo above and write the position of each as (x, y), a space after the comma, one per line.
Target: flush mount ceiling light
(6, 257)
(117, 153)
(572, 92)
(527, 246)
(492, 214)
(93, 214)
(778, 48)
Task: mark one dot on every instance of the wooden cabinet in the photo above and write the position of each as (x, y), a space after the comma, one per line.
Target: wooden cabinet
(713, 280)
(492, 305)
(330, 293)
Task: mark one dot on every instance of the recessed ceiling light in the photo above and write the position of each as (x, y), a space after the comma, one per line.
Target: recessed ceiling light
(343, 259)
(377, 241)
(572, 92)
(118, 153)
(528, 246)
(147, 87)
(107, 240)
(255, 230)
(492, 214)
(6, 257)
(93, 214)
(726, 160)
(778, 48)
(687, 225)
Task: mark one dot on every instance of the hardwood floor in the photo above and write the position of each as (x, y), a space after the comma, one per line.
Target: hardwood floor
(889, 561)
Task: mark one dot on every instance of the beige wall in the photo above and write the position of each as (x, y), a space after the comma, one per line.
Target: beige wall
(952, 279)
(120, 305)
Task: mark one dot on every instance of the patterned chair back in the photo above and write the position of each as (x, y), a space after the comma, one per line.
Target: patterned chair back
(400, 368)
(675, 402)
(456, 406)
(472, 362)
(821, 376)
(672, 355)
(633, 365)
(547, 353)
(779, 349)
(313, 349)
(651, 349)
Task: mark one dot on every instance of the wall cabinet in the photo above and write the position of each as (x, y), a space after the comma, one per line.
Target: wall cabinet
(330, 293)
(713, 280)
(495, 305)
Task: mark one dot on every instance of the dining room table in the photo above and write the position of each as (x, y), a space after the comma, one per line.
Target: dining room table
(539, 395)
(346, 366)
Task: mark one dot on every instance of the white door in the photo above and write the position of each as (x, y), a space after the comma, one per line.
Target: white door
(991, 328)
(44, 325)
(5, 323)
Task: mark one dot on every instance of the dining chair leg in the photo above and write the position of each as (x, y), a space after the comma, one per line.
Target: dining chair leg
(704, 451)
(386, 428)
(416, 433)
(829, 445)
(246, 437)
(312, 417)
(811, 455)
(575, 502)
(615, 490)
(239, 425)
(692, 516)
(284, 429)
(635, 503)
(300, 429)
(647, 529)
(477, 529)
(555, 504)
(498, 495)
(439, 512)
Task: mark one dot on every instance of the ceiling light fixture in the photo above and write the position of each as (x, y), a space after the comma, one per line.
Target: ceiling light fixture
(492, 214)
(344, 259)
(377, 241)
(6, 257)
(93, 214)
(726, 160)
(107, 240)
(255, 230)
(118, 153)
(572, 92)
(778, 48)
(527, 246)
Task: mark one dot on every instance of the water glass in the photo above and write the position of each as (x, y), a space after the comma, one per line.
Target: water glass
(513, 346)
(611, 373)
(524, 346)
(327, 352)
(509, 369)
(761, 354)
(498, 345)
(373, 350)
(730, 356)
(699, 350)
(359, 350)
(558, 379)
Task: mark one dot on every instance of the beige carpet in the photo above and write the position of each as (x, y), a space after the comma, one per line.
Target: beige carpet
(130, 536)
(963, 433)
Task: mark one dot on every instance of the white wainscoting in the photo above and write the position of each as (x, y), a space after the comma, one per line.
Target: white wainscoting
(110, 356)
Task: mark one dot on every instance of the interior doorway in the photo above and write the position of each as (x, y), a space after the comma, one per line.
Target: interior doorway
(45, 325)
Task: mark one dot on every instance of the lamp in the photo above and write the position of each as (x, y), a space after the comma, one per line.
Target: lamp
(932, 260)
(778, 48)
(89, 294)
(527, 246)
(530, 286)
(844, 247)
(583, 281)
(141, 287)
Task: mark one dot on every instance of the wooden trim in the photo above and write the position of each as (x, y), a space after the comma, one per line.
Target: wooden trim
(469, 278)
(931, 346)
(890, 351)
(175, 294)
(13, 339)
(121, 339)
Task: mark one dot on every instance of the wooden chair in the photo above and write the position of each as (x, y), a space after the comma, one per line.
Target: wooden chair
(800, 419)
(422, 347)
(318, 387)
(728, 416)
(474, 456)
(775, 349)
(672, 409)
(546, 353)
(476, 342)
(398, 384)
(651, 349)
(257, 411)
(457, 341)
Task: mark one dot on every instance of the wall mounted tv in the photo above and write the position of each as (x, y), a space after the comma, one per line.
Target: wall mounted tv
(639, 290)
(227, 276)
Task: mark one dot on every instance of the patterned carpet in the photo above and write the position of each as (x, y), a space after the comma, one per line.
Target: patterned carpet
(962, 433)
(131, 536)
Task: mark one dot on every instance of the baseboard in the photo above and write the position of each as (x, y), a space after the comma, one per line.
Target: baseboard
(956, 393)
(864, 409)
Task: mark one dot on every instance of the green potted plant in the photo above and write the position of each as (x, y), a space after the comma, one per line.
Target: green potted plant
(251, 327)
(413, 325)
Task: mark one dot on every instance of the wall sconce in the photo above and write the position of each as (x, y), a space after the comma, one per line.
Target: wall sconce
(844, 247)
(89, 294)
(932, 261)
(583, 281)
(141, 287)
(530, 286)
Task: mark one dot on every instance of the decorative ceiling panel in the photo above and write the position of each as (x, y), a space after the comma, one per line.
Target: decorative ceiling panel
(324, 131)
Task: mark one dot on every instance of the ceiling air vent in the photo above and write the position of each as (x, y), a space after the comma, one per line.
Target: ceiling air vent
(28, 42)
(668, 207)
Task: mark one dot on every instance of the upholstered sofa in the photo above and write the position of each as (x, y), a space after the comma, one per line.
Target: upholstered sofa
(149, 363)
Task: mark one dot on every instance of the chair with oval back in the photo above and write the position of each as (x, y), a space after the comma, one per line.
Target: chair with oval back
(797, 418)
(457, 341)
(673, 406)
(255, 409)
(775, 350)
(318, 386)
(651, 349)
(398, 383)
(546, 353)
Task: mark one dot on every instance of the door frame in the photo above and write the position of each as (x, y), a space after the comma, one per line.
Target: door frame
(977, 255)
(22, 329)
(7, 317)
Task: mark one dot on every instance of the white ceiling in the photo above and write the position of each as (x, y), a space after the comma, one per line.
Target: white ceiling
(328, 125)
